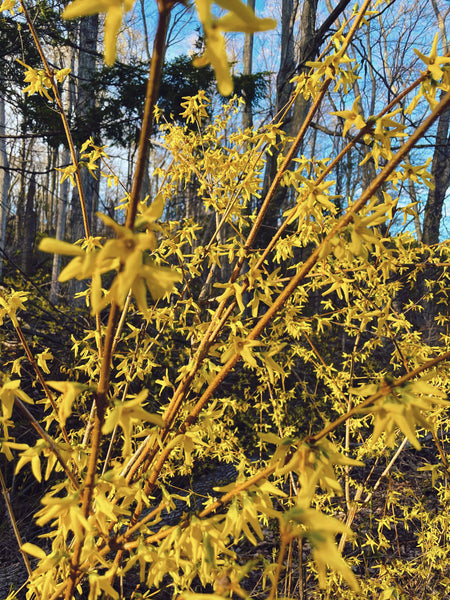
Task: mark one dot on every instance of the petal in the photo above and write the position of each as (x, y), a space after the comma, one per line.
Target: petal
(120, 230)
(160, 280)
(215, 54)
(84, 8)
(203, 10)
(140, 295)
(72, 270)
(232, 22)
(113, 22)
(60, 247)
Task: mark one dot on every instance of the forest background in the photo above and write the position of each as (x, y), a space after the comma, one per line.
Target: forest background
(283, 208)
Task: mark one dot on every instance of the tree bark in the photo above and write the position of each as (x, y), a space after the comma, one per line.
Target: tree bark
(61, 212)
(440, 167)
(440, 170)
(62, 196)
(4, 185)
(247, 69)
(284, 91)
(86, 125)
(308, 49)
(29, 229)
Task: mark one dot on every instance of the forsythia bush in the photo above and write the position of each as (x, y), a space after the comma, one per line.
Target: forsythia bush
(332, 368)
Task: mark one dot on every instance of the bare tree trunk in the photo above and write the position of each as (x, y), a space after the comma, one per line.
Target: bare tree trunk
(29, 226)
(440, 167)
(440, 170)
(85, 104)
(307, 42)
(284, 91)
(62, 197)
(308, 49)
(87, 62)
(247, 69)
(4, 184)
(20, 208)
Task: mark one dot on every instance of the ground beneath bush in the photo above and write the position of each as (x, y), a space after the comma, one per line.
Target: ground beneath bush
(404, 478)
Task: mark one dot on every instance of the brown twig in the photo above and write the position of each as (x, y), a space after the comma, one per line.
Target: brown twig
(49, 74)
(39, 375)
(101, 398)
(13, 521)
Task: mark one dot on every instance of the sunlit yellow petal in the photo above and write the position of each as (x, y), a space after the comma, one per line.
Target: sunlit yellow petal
(160, 280)
(59, 247)
(85, 8)
(232, 22)
(113, 22)
(216, 54)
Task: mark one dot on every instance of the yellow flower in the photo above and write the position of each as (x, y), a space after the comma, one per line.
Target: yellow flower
(195, 107)
(114, 10)
(352, 117)
(38, 81)
(69, 390)
(62, 74)
(433, 61)
(127, 414)
(240, 18)
(9, 5)
(68, 173)
(127, 254)
(320, 531)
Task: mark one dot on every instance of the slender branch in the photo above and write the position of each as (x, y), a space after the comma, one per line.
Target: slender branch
(276, 578)
(39, 375)
(101, 403)
(354, 509)
(73, 154)
(165, 8)
(13, 520)
(383, 391)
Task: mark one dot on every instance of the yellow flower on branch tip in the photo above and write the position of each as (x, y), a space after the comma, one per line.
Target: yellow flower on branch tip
(127, 255)
(239, 18)
(8, 393)
(433, 61)
(320, 531)
(68, 173)
(352, 117)
(114, 10)
(10, 303)
(216, 55)
(62, 74)
(150, 214)
(38, 81)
